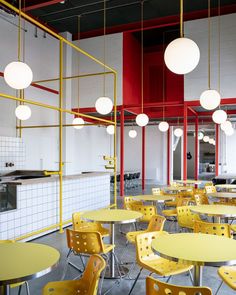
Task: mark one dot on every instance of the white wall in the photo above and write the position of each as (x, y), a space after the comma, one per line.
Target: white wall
(196, 81)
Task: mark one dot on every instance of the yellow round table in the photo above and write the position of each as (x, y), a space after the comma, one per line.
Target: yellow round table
(217, 211)
(154, 198)
(226, 187)
(112, 217)
(222, 195)
(196, 249)
(177, 189)
(189, 181)
(21, 262)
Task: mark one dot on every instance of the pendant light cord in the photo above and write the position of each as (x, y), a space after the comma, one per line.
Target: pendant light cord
(181, 18)
(79, 18)
(19, 32)
(209, 44)
(142, 2)
(219, 46)
(163, 79)
(104, 48)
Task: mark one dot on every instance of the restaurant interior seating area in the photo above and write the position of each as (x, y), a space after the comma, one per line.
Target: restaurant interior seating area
(117, 137)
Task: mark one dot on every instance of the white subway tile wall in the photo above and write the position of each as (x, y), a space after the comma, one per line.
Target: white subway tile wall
(38, 204)
(12, 150)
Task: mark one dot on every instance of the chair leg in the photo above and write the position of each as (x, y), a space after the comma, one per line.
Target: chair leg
(191, 276)
(19, 290)
(219, 287)
(168, 279)
(136, 279)
(27, 288)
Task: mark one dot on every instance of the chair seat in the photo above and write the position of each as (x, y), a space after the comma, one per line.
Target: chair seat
(170, 213)
(228, 275)
(171, 203)
(66, 288)
(108, 248)
(164, 267)
(132, 235)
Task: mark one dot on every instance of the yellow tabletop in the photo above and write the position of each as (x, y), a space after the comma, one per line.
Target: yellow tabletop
(223, 195)
(225, 186)
(154, 198)
(189, 181)
(112, 216)
(24, 261)
(215, 210)
(196, 249)
(177, 188)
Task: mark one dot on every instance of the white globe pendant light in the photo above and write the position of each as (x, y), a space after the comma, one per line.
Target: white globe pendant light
(18, 75)
(110, 129)
(219, 116)
(206, 138)
(210, 99)
(182, 56)
(142, 120)
(104, 105)
(200, 135)
(163, 126)
(178, 132)
(132, 133)
(23, 112)
(229, 132)
(226, 125)
(78, 121)
(211, 140)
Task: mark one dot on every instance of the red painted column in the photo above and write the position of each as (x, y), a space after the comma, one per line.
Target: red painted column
(122, 123)
(143, 157)
(217, 151)
(196, 149)
(185, 142)
(168, 156)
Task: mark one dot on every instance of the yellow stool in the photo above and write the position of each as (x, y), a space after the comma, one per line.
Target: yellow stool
(88, 284)
(155, 287)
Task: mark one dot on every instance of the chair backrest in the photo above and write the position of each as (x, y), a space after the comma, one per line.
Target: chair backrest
(157, 191)
(143, 246)
(210, 189)
(201, 199)
(181, 201)
(6, 241)
(185, 217)
(147, 211)
(219, 229)
(155, 287)
(91, 275)
(89, 242)
(128, 201)
(156, 223)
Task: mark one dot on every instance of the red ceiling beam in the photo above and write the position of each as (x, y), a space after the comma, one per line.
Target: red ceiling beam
(38, 5)
(224, 101)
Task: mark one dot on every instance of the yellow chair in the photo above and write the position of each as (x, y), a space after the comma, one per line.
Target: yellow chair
(210, 189)
(219, 229)
(150, 261)
(155, 287)
(81, 225)
(157, 191)
(155, 224)
(173, 212)
(88, 284)
(85, 243)
(128, 201)
(201, 199)
(186, 218)
(178, 198)
(147, 211)
(21, 283)
(228, 276)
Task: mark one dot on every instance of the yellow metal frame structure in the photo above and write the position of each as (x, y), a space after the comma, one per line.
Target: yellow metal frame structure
(61, 111)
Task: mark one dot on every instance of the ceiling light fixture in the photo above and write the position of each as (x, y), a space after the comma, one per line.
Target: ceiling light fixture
(104, 104)
(142, 119)
(163, 126)
(132, 133)
(226, 125)
(200, 135)
(182, 55)
(110, 129)
(210, 98)
(219, 116)
(229, 132)
(178, 132)
(206, 138)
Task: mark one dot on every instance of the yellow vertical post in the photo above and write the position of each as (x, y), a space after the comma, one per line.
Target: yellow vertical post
(115, 119)
(61, 139)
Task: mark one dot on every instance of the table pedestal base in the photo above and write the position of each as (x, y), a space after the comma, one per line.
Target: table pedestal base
(197, 275)
(123, 270)
(5, 290)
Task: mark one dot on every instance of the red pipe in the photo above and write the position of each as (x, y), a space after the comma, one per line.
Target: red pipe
(122, 121)
(196, 149)
(185, 142)
(41, 5)
(143, 157)
(168, 157)
(217, 151)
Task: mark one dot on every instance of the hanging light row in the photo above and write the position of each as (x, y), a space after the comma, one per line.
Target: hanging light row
(209, 140)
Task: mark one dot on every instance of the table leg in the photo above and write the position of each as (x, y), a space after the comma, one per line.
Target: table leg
(197, 275)
(5, 290)
(112, 259)
(216, 219)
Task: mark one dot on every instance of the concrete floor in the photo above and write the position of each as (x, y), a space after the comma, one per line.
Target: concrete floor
(58, 241)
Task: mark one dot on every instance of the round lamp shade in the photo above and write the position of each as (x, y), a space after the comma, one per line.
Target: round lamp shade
(110, 129)
(226, 125)
(103, 105)
(229, 132)
(182, 56)
(211, 140)
(18, 75)
(142, 120)
(210, 99)
(219, 116)
(77, 121)
(163, 126)
(206, 138)
(178, 132)
(200, 135)
(23, 112)
(132, 133)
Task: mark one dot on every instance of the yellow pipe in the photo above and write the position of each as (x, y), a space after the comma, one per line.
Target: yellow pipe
(51, 172)
(55, 126)
(49, 31)
(73, 77)
(61, 140)
(37, 232)
(55, 108)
